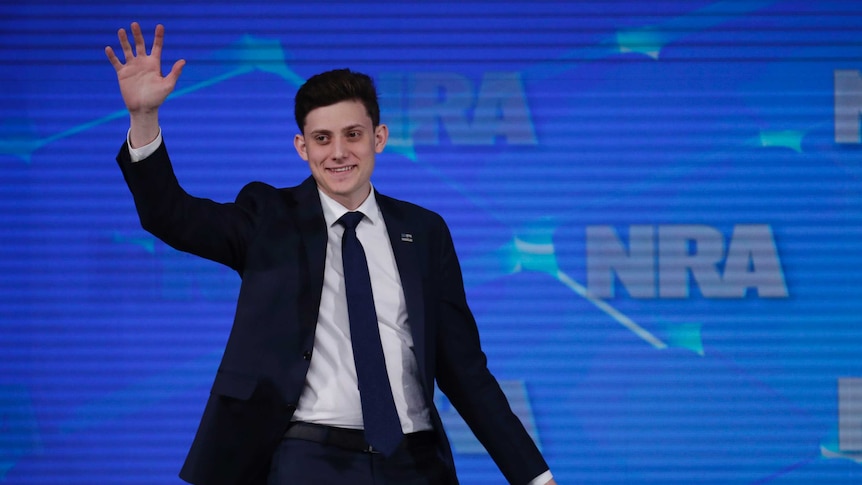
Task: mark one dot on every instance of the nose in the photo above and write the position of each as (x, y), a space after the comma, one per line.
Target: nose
(339, 148)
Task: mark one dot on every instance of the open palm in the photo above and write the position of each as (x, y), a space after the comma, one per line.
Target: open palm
(142, 85)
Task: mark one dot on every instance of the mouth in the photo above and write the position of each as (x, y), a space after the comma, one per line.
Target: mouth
(341, 170)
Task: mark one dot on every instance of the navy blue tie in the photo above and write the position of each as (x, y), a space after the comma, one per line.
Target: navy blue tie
(382, 426)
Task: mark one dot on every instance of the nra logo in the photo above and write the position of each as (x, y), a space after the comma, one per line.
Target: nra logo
(426, 108)
(668, 261)
(848, 106)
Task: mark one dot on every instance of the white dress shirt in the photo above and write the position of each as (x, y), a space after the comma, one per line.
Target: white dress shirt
(331, 393)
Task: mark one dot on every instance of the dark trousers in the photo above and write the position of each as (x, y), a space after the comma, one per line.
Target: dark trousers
(301, 462)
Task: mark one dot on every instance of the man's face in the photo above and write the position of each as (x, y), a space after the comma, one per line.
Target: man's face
(339, 143)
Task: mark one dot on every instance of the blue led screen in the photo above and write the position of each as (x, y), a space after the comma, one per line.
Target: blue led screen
(656, 206)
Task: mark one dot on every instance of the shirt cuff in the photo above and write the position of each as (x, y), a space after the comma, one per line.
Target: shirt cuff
(138, 154)
(542, 479)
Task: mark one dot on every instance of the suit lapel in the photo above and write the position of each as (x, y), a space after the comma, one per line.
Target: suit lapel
(312, 228)
(401, 235)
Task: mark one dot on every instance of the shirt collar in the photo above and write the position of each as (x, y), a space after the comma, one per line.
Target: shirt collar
(332, 210)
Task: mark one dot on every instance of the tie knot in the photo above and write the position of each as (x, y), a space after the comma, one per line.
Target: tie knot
(351, 219)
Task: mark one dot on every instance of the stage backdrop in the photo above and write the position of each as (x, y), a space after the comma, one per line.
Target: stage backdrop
(656, 205)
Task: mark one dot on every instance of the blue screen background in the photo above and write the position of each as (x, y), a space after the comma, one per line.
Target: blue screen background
(658, 221)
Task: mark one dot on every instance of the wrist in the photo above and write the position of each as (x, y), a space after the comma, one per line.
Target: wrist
(144, 127)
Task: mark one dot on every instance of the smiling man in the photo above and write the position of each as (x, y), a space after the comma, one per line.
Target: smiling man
(351, 306)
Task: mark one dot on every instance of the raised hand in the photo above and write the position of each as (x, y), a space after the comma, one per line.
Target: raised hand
(142, 85)
(141, 82)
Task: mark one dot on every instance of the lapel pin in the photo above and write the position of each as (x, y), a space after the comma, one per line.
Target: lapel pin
(407, 237)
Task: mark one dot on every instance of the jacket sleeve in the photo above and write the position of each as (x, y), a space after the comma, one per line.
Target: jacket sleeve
(463, 375)
(216, 231)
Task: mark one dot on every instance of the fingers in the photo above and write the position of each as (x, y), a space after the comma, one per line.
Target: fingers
(124, 43)
(140, 47)
(158, 40)
(113, 58)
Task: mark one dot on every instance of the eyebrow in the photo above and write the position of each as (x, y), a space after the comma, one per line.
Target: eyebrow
(324, 131)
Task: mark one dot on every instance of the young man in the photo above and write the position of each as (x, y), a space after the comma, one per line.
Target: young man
(304, 393)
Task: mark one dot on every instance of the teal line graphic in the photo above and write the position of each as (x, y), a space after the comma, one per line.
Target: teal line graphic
(791, 139)
(532, 249)
(612, 312)
(684, 336)
(648, 40)
(246, 55)
(148, 243)
(830, 449)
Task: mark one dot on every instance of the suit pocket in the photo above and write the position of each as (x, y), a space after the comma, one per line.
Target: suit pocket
(233, 385)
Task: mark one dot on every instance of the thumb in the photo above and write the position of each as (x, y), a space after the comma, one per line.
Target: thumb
(176, 70)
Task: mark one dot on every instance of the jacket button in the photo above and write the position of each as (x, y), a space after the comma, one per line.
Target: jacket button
(306, 355)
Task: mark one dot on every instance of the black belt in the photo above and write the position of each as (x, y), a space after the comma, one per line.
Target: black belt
(349, 439)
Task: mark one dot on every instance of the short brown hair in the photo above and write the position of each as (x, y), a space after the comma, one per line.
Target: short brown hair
(332, 87)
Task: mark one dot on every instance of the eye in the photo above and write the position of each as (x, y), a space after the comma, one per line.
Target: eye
(354, 134)
(321, 139)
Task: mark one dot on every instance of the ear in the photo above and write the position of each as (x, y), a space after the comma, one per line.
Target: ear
(381, 135)
(299, 144)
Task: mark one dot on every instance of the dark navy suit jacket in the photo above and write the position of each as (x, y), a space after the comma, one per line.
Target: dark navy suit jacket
(275, 238)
